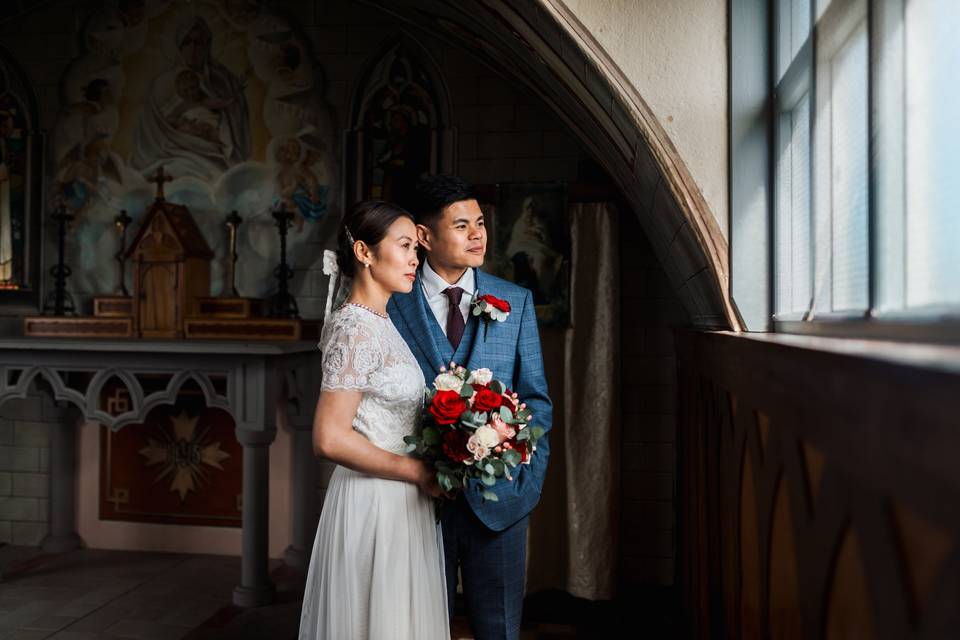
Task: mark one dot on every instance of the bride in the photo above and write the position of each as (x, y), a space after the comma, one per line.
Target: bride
(376, 571)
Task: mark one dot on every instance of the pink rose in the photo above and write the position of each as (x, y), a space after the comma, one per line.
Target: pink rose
(504, 430)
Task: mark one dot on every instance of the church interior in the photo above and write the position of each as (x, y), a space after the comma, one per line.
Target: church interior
(738, 220)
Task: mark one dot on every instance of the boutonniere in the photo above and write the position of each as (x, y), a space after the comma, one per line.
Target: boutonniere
(491, 308)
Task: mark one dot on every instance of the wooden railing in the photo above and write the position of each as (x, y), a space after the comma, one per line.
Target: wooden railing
(819, 491)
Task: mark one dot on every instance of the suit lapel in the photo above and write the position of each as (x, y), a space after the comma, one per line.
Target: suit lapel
(479, 333)
(413, 307)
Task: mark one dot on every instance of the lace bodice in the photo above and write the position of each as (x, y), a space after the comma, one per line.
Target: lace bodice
(364, 352)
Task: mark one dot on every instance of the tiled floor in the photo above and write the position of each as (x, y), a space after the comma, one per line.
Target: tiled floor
(91, 594)
(110, 594)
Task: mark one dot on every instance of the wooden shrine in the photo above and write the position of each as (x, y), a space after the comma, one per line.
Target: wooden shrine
(171, 268)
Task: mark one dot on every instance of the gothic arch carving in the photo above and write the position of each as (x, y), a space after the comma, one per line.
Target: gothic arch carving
(21, 389)
(87, 399)
(399, 122)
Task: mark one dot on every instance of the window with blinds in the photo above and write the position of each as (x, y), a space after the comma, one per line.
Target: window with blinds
(866, 211)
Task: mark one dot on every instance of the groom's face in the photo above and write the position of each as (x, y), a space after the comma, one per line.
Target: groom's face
(457, 239)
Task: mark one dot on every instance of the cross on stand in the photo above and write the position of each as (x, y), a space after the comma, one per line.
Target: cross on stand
(159, 179)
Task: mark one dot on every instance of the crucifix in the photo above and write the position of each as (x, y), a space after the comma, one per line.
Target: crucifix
(160, 178)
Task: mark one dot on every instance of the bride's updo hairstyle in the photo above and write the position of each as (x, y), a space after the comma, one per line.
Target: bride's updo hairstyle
(367, 222)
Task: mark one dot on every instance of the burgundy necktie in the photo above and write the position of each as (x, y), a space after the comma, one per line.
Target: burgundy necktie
(455, 323)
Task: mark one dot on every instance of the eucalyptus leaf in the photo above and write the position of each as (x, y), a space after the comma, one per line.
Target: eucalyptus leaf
(511, 457)
(466, 391)
(490, 496)
(538, 432)
(505, 414)
(488, 479)
(497, 387)
(488, 469)
(431, 436)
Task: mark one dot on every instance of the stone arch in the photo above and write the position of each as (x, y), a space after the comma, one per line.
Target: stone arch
(542, 45)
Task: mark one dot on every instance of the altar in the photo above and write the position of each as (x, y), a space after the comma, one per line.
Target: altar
(261, 385)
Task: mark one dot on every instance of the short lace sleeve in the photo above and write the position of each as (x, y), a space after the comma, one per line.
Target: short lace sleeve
(352, 356)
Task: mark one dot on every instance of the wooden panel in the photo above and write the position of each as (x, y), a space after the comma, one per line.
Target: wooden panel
(784, 602)
(749, 555)
(848, 610)
(245, 329)
(158, 294)
(112, 307)
(50, 327)
(925, 548)
(228, 307)
(829, 481)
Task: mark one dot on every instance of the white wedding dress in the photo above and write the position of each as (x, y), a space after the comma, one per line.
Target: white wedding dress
(376, 572)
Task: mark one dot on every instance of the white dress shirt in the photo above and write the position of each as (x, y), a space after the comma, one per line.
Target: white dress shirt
(433, 291)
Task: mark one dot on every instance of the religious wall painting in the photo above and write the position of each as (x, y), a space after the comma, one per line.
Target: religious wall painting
(400, 124)
(531, 245)
(183, 465)
(226, 97)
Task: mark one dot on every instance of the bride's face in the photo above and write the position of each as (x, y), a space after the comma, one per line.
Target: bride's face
(394, 263)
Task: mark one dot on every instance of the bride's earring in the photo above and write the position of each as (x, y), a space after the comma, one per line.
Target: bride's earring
(366, 265)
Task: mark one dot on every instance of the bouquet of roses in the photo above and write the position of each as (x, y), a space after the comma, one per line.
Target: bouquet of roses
(473, 427)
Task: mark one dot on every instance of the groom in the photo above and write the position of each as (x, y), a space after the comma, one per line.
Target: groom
(486, 540)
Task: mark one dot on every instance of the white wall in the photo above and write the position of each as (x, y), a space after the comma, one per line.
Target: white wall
(675, 54)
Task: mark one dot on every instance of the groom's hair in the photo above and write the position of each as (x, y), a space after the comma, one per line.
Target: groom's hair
(434, 193)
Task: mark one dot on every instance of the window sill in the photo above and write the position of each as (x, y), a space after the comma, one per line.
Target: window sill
(915, 330)
(924, 355)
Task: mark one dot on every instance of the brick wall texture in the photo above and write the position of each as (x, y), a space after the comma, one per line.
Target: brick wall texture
(24, 467)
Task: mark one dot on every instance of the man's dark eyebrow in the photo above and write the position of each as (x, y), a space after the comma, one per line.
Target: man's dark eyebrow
(459, 220)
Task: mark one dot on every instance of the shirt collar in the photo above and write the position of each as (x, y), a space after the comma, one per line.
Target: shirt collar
(434, 285)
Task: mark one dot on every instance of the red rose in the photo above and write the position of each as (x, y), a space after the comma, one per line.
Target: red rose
(521, 448)
(496, 303)
(508, 402)
(487, 400)
(455, 445)
(447, 407)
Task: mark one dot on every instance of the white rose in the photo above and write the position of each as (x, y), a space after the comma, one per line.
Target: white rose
(487, 436)
(448, 382)
(476, 447)
(480, 376)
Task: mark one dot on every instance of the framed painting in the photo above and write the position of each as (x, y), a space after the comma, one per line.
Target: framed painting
(531, 245)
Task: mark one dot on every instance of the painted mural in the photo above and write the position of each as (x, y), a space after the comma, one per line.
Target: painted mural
(226, 98)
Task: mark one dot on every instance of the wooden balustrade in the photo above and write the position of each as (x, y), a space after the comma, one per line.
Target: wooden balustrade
(819, 491)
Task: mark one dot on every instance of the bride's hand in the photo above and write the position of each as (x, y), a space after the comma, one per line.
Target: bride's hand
(427, 481)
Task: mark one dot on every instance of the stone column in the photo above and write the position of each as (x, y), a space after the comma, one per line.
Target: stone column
(298, 553)
(255, 587)
(63, 469)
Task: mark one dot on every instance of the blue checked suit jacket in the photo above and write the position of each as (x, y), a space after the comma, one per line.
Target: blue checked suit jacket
(511, 350)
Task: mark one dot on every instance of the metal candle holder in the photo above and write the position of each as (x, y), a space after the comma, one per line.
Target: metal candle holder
(59, 302)
(233, 222)
(121, 222)
(283, 304)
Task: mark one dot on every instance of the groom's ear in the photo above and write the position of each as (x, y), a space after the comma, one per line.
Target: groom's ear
(424, 237)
